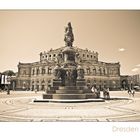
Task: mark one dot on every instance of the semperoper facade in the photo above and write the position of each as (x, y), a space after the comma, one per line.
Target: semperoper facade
(39, 74)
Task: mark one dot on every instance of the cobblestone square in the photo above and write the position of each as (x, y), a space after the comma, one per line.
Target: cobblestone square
(19, 107)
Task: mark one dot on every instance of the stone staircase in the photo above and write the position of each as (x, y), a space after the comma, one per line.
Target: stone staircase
(69, 92)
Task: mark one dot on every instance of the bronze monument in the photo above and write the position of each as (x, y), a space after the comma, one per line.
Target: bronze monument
(68, 82)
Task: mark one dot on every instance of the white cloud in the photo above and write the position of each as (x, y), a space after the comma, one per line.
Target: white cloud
(135, 69)
(121, 49)
(138, 65)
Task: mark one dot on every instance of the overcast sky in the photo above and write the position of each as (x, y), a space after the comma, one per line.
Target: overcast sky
(115, 35)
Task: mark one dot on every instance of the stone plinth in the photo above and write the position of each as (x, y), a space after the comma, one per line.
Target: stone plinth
(80, 82)
(66, 92)
(47, 96)
(70, 92)
(91, 96)
(57, 83)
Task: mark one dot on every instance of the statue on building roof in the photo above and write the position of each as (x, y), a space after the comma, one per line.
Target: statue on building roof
(51, 49)
(69, 37)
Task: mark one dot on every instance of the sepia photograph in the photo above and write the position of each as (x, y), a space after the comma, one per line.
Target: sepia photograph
(70, 66)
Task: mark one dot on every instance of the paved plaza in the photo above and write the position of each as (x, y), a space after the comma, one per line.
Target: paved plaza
(19, 107)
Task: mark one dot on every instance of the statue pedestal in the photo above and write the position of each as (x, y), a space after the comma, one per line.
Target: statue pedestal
(66, 92)
(69, 83)
(80, 82)
(57, 83)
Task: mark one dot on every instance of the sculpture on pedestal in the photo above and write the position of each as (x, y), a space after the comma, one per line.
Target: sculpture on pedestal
(69, 37)
(68, 82)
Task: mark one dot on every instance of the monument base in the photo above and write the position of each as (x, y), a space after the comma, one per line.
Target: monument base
(80, 82)
(57, 83)
(70, 93)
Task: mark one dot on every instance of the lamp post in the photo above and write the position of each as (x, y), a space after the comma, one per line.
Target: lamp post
(8, 84)
(131, 85)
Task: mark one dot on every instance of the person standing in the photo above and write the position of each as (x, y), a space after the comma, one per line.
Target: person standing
(93, 89)
(35, 90)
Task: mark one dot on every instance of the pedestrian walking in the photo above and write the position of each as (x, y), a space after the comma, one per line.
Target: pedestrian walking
(35, 90)
(129, 91)
(133, 92)
(93, 89)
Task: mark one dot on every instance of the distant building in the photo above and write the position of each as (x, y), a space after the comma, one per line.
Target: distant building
(126, 81)
(136, 79)
(130, 81)
(39, 74)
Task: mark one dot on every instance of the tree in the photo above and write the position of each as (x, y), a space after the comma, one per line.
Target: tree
(9, 73)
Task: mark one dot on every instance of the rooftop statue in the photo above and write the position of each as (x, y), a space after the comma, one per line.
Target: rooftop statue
(69, 37)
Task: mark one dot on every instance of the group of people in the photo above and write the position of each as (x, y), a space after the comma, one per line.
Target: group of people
(131, 92)
(96, 91)
(106, 94)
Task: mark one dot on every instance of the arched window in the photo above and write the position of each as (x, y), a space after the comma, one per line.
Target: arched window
(37, 72)
(104, 71)
(49, 70)
(88, 70)
(94, 71)
(43, 85)
(33, 72)
(100, 71)
(94, 83)
(43, 71)
(32, 88)
(24, 72)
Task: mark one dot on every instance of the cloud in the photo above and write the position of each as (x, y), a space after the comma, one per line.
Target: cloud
(138, 65)
(135, 69)
(121, 49)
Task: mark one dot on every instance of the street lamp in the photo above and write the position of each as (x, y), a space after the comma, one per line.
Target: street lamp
(8, 84)
(131, 84)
